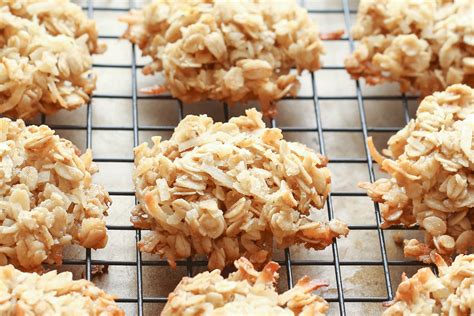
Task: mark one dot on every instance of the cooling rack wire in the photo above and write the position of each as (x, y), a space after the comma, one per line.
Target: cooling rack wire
(332, 114)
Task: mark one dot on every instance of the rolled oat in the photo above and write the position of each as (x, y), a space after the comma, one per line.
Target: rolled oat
(450, 293)
(432, 167)
(228, 189)
(244, 292)
(228, 51)
(47, 198)
(53, 293)
(423, 45)
(43, 68)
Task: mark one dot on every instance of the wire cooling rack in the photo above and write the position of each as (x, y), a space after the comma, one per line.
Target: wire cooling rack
(140, 303)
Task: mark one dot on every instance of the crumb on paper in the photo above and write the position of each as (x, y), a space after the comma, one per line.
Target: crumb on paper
(227, 51)
(431, 162)
(52, 293)
(398, 239)
(47, 198)
(245, 291)
(230, 189)
(425, 46)
(97, 270)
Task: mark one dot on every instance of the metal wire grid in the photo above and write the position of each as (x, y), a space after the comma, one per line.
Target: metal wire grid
(288, 262)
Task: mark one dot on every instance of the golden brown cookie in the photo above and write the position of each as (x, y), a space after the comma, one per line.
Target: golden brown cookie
(230, 189)
(227, 51)
(47, 198)
(431, 164)
(425, 46)
(52, 293)
(245, 292)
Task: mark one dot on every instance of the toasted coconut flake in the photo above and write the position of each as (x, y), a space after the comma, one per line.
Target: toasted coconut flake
(229, 189)
(450, 293)
(432, 167)
(245, 291)
(47, 198)
(425, 46)
(52, 293)
(228, 51)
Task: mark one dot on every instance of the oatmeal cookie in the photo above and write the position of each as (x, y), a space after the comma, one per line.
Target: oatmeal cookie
(47, 198)
(58, 17)
(53, 293)
(432, 167)
(41, 72)
(244, 292)
(229, 189)
(227, 51)
(425, 46)
(450, 293)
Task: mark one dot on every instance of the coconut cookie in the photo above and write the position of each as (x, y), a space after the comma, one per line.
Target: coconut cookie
(431, 164)
(58, 17)
(227, 51)
(47, 198)
(52, 294)
(230, 189)
(450, 293)
(40, 71)
(425, 46)
(244, 292)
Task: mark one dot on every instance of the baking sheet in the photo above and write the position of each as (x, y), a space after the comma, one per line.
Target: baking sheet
(360, 245)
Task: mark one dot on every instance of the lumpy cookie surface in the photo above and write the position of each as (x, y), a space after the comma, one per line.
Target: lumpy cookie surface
(431, 168)
(46, 60)
(230, 189)
(449, 293)
(245, 292)
(425, 46)
(47, 198)
(227, 50)
(53, 293)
